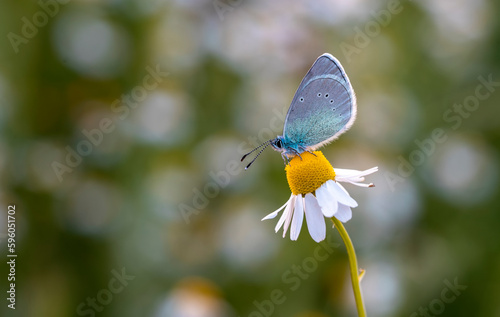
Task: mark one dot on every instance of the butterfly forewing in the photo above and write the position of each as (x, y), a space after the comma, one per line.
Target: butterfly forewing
(323, 107)
(325, 64)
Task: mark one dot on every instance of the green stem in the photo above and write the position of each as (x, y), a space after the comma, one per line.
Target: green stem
(353, 266)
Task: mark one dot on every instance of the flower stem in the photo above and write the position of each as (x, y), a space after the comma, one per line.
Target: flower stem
(353, 266)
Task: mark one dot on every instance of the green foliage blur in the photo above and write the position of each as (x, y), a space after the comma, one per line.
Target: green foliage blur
(122, 127)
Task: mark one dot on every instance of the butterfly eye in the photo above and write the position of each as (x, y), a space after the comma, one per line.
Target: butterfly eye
(279, 144)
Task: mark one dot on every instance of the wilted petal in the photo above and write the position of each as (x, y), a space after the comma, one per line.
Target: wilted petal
(343, 172)
(353, 176)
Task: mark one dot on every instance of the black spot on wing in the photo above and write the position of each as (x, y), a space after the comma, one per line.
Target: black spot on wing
(325, 107)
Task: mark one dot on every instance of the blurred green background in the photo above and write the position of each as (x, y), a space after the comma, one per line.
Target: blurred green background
(122, 125)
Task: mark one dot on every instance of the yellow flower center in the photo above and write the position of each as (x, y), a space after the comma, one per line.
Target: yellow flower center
(309, 173)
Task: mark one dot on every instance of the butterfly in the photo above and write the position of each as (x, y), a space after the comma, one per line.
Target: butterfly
(323, 108)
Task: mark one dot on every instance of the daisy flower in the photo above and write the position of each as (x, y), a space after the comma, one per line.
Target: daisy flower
(317, 193)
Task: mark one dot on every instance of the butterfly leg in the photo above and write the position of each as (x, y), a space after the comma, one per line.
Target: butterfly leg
(285, 159)
(303, 149)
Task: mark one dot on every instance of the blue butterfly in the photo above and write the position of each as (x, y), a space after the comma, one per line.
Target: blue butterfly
(324, 107)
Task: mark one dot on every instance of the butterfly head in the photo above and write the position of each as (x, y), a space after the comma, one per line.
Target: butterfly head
(286, 148)
(278, 144)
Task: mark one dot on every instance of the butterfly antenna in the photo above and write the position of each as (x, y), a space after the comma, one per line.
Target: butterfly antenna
(266, 144)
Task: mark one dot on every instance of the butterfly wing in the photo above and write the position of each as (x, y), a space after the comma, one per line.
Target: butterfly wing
(324, 105)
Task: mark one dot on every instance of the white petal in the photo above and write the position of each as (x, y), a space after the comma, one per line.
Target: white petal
(327, 200)
(342, 172)
(287, 215)
(370, 171)
(348, 172)
(314, 218)
(298, 217)
(341, 194)
(362, 184)
(353, 176)
(275, 213)
(344, 213)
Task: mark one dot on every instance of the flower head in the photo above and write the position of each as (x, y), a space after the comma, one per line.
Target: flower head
(317, 193)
